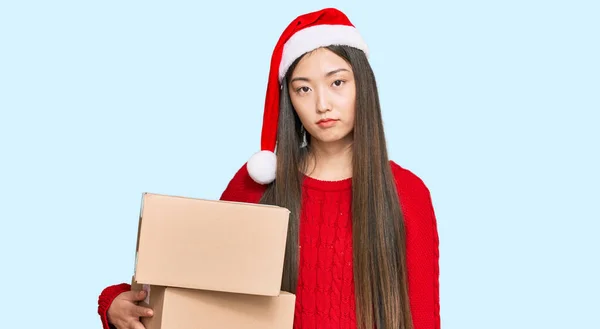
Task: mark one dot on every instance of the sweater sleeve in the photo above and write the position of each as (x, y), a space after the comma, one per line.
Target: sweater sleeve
(422, 249)
(106, 298)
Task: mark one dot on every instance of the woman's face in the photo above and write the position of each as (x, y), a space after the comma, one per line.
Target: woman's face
(323, 92)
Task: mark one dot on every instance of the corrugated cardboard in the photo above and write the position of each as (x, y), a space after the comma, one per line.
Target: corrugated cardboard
(211, 245)
(180, 308)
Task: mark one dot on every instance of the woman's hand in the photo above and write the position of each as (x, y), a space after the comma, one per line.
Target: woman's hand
(124, 313)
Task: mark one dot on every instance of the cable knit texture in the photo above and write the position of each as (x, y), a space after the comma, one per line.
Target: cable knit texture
(325, 295)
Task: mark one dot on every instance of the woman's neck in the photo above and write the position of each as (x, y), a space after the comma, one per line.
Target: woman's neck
(330, 161)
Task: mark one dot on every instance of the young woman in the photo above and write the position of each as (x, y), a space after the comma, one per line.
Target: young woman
(362, 247)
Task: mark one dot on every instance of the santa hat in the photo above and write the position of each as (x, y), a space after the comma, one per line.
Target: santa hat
(307, 32)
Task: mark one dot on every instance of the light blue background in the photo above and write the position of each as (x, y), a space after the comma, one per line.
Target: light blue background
(494, 104)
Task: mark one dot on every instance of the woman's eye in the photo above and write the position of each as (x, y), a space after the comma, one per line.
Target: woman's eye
(338, 83)
(303, 89)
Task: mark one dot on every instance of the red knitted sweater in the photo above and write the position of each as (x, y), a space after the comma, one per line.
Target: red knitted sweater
(325, 294)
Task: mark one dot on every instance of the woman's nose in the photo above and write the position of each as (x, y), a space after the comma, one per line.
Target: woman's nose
(323, 104)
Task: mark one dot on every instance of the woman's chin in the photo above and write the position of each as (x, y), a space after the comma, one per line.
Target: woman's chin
(332, 137)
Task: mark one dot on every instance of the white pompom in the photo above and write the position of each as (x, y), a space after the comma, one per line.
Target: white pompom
(262, 167)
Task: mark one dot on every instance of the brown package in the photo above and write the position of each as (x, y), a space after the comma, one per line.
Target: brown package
(181, 308)
(211, 245)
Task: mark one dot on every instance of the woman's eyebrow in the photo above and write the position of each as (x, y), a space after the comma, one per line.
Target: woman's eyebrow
(330, 73)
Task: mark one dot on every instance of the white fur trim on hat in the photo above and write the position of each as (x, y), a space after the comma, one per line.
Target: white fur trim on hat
(262, 167)
(318, 36)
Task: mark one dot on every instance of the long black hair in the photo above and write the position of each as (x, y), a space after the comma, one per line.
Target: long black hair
(377, 220)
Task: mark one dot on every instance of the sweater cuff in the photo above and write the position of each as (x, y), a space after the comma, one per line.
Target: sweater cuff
(105, 300)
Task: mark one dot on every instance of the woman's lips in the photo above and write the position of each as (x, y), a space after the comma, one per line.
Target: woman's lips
(326, 123)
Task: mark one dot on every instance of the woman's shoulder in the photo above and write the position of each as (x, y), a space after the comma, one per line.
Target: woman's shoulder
(415, 200)
(408, 182)
(242, 188)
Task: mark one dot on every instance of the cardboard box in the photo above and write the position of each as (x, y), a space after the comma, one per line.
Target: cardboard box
(181, 308)
(211, 245)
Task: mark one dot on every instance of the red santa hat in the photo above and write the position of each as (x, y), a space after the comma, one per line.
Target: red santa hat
(307, 32)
